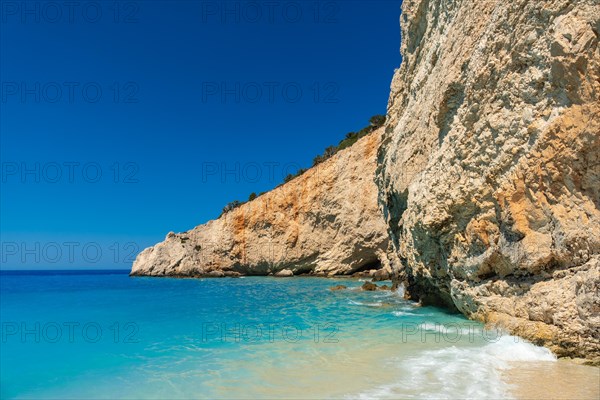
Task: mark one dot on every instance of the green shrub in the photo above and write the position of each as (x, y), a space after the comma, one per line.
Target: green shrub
(231, 206)
(350, 139)
(318, 160)
(288, 178)
(365, 131)
(377, 120)
(329, 152)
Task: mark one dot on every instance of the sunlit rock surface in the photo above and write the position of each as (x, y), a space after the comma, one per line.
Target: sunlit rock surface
(490, 167)
(325, 222)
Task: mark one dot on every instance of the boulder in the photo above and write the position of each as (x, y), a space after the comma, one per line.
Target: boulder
(381, 275)
(369, 287)
(214, 274)
(284, 273)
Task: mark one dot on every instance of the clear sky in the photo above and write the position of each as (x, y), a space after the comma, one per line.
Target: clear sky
(122, 121)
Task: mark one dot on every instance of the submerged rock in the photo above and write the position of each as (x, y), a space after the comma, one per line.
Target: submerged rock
(369, 287)
(338, 287)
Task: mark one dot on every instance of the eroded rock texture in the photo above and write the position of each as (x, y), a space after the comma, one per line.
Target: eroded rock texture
(325, 222)
(489, 171)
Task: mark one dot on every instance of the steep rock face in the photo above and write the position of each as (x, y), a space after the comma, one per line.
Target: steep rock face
(489, 170)
(326, 221)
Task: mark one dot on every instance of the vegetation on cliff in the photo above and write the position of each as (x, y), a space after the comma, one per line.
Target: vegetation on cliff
(375, 122)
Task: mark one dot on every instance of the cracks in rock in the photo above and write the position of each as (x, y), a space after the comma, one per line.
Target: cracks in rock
(395, 206)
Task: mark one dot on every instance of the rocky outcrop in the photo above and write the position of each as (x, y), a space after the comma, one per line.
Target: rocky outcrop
(285, 273)
(325, 222)
(489, 170)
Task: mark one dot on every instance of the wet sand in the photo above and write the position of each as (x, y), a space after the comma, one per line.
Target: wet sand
(564, 379)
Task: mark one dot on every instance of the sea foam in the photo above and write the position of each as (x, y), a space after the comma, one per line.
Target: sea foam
(459, 372)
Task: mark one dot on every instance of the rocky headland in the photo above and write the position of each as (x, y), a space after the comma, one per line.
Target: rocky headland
(324, 222)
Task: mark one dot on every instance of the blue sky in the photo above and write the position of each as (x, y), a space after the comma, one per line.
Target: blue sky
(122, 121)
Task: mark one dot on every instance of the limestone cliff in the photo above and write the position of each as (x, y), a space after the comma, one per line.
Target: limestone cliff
(489, 171)
(326, 221)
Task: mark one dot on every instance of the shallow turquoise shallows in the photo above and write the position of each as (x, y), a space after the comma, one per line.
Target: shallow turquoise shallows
(106, 335)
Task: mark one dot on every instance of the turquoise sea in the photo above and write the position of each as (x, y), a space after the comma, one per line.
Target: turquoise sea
(105, 335)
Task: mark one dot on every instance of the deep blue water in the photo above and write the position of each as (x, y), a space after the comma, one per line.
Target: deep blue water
(102, 334)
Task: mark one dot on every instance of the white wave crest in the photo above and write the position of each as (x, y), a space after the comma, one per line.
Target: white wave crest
(459, 372)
